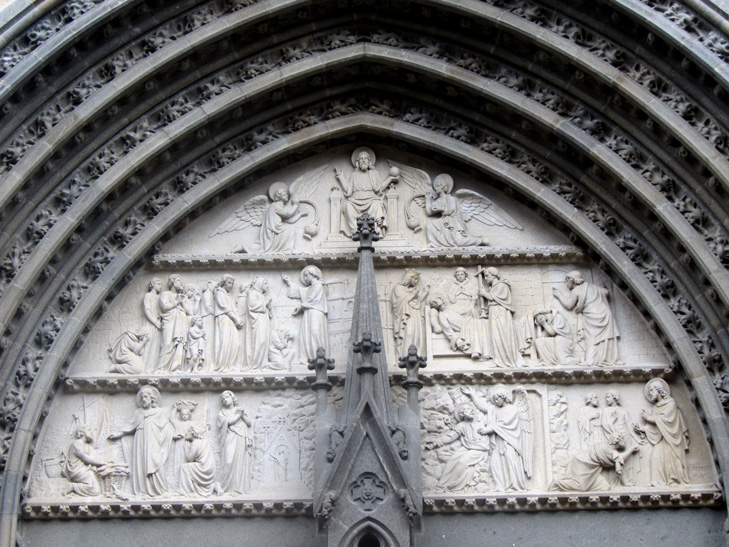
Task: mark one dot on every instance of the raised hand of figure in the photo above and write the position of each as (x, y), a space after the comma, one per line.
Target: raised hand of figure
(286, 279)
(430, 445)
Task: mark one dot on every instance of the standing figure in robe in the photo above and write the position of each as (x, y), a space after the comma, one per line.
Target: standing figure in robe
(459, 471)
(314, 312)
(666, 431)
(146, 442)
(446, 226)
(150, 307)
(504, 343)
(462, 299)
(227, 324)
(596, 326)
(364, 192)
(588, 422)
(174, 327)
(408, 311)
(615, 421)
(196, 341)
(258, 306)
(235, 445)
(511, 425)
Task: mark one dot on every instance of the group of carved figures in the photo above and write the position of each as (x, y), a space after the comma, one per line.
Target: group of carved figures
(193, 329)
(610, 443)
(479, 320)
(152, 436)
(447, 216)
(501, 444)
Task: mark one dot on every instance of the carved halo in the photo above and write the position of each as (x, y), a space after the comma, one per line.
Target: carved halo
(275, 187)
(361, 149)
(661, 381)
(447, 180)
(310, 268)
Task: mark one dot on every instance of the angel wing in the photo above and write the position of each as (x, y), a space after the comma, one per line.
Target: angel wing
(250, 214)
(416, 179)
(419, 181)
(474, 206)
(526, 422)
(303, 187)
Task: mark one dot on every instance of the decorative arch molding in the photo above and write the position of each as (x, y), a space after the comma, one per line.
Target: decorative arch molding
(594, 191)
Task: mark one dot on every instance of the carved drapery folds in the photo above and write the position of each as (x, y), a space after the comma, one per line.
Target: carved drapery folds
(87, 194)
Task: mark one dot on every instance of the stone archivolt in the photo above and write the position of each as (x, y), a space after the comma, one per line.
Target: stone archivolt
(60, 257)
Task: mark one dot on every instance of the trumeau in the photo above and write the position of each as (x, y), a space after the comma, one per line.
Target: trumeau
(188, 396)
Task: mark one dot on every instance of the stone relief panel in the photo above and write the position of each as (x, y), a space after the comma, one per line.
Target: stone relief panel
(489, 440)
(182, 389)
(519, 438)
(472, 317)
(156, 445)
(312, 207)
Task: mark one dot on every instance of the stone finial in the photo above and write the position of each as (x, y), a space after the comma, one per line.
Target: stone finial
(321, 365)
(412, 363)
(367, 347)
(366, 232)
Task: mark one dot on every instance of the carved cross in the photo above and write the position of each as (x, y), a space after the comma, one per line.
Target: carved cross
(321, 365)
(366, 232)
(367, 347)
(412, 363)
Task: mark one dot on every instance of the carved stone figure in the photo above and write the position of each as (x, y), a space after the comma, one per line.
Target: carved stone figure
(459, 471)
(146, 441)
(152, 313)
(464, 299)
(258, 324)
(126, 353)
(364, 191)
(585, 470)
(235, 445)
(191, 301)
(196, 342)
(280, 348)
(588, 422)
(207, 314)
(314, 332)
(408, 312)
(596, 325)
(174, 326)
(448, 216)
(277, 219)
(504, 344)
(553, 342)
(82, 465)
(227, 324)
(448, 322)
(511, 425)
(180, 416)
(666, 431)
(197, 474)
(615, 420)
